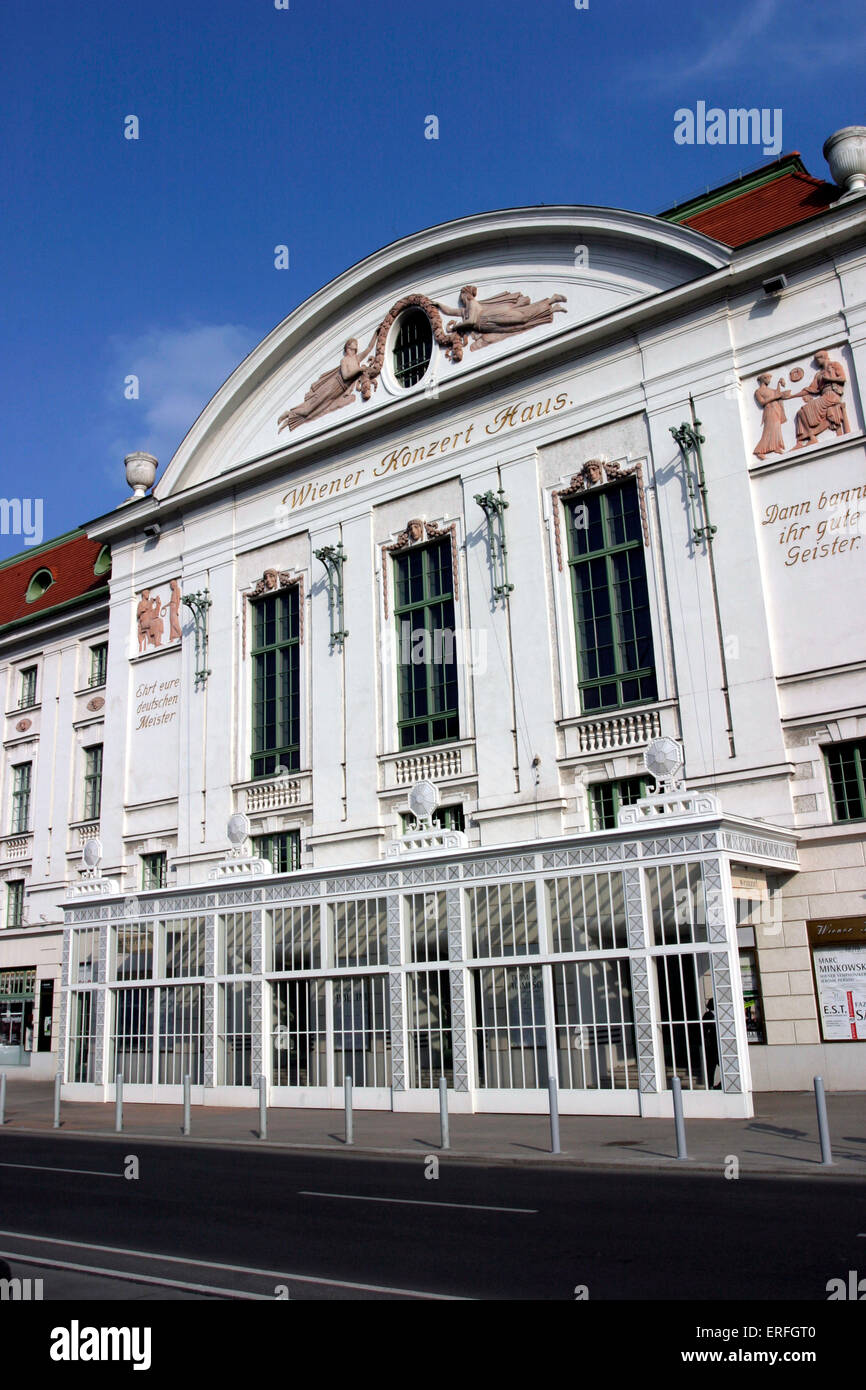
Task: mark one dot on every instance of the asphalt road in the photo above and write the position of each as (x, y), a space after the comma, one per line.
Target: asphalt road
(214, 1223)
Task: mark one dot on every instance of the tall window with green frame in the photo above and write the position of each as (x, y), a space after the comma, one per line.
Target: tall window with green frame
(276, 657)
(93, 782)
(21, 778)
(426, 655)
(611, 602)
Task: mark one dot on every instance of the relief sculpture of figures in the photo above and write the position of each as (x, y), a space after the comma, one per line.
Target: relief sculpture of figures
(770, 400)
(335, 388)
(824, 408)
(491, 320)
(150, 622)
(150, 617)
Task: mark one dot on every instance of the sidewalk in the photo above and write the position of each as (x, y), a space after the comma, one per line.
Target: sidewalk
(782, 1137)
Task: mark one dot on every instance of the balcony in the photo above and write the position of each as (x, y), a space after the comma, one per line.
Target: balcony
(275, 793)
(16, 847)
(616, 732)
(450, 763)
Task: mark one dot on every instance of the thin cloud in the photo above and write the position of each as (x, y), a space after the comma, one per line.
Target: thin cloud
(762, 39)
(737, 44)
(178, 371)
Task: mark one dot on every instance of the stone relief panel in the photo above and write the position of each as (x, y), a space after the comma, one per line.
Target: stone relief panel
(155, 610)
(805, 405)
(478, 322)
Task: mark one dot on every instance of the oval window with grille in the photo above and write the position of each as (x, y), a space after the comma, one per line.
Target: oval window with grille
(413, 347)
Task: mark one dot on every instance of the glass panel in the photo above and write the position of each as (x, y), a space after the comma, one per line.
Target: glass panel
(510, 1040)
(184, 947)
(362, 1031)
(503, 919)
(294, 938)
(181, 1035)
(428, 927)
(132, 1040)
(81, 1058)
(133, 954)
(428, 995)
(587, 912)
(236, 943)
(235, 1040)
(300, 1041)
(687, 1022)
(677, 903)
(594, 1025)
(360, 932)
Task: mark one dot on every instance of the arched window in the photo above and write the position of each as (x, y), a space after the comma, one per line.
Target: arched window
(39, 584)
(413, 347)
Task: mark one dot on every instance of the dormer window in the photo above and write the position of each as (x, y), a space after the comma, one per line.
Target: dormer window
(413, 347)
(103, 562)
(39, 584)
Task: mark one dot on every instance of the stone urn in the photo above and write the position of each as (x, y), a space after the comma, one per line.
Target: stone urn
(140, 472)
(845, 152)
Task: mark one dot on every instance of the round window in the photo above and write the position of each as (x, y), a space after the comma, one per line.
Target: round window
(413, 347)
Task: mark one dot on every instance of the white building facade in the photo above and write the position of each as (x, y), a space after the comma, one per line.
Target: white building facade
(498, 508)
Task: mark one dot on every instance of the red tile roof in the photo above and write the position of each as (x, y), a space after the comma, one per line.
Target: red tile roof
(70, 560)
(781, 202)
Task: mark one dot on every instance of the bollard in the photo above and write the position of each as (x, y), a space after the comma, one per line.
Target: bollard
(187, 1112)
(823, 1127)
(2, 1098)
(554, 1115)
(263, 1108)
(58, 1082)
(679, 1123)
(118, 1103)
(445, 1142)
(350, 1137)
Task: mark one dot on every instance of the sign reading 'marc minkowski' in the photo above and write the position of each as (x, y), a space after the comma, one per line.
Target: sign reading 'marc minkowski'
(839, 962)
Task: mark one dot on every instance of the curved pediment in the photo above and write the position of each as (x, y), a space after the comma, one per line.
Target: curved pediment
(483, 289)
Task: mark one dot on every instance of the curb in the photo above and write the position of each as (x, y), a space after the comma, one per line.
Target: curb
(655, 1163)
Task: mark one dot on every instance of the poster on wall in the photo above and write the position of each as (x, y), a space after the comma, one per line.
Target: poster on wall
(839, 960)
(841, 975)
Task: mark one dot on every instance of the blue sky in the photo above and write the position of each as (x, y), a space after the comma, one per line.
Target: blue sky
(305, 127)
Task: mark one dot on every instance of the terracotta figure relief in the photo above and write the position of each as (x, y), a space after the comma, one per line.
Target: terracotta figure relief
(490, 320)
(823, 406)
(484, 321)
(150, 617)
(770, 400)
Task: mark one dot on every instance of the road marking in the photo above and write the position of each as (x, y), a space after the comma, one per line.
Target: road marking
(411, 1202)
(232, 1269)
(40, 1261)
(41, 1168)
